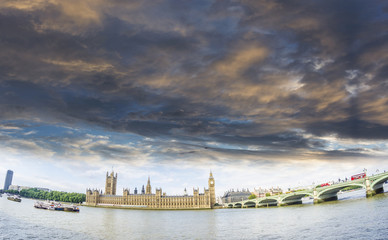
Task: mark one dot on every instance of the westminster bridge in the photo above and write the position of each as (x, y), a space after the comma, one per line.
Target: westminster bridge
(372, 185)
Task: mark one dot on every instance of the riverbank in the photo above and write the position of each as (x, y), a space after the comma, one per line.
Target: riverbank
(136, 207)
(38, 199)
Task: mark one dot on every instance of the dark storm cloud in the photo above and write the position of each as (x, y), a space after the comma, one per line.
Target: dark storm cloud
(346, 154)
(252, 74)
(352, 128)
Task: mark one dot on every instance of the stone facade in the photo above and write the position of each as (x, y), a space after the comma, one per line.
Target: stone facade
(110, 184)
(235, 196)
(261, 192)
(157, 200)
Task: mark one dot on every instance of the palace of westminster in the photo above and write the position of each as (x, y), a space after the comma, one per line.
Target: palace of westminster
(147, 199)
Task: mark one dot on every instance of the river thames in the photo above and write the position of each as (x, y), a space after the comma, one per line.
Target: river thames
(352, 217)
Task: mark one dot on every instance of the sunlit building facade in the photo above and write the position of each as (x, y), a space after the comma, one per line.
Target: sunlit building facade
(147, 199)
(261, 192)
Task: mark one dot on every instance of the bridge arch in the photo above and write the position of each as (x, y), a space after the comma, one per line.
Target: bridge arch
(268, 202)
(295, 198)
(379, 181)
(238, 205)
(333, 190)
(250, 204)
(230, 205)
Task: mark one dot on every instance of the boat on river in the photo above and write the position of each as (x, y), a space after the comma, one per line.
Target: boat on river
(55, 206)
(14, 198)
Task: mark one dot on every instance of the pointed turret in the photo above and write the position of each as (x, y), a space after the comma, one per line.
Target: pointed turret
(148, 188)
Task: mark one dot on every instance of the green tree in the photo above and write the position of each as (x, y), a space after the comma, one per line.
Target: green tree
(53, 195)
(252, 196)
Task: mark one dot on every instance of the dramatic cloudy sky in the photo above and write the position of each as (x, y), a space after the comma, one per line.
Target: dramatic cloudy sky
(263, 93)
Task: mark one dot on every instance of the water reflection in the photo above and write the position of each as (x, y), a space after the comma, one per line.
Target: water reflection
(353, 216)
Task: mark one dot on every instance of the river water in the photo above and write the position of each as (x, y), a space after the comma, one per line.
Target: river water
(351, 217)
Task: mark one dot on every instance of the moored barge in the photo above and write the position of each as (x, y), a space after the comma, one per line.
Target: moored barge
(14, 198)
(55, 206)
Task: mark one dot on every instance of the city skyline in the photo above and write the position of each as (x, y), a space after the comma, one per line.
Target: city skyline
(262, 93)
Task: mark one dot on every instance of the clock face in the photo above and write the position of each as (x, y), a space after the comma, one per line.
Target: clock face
(211, 182)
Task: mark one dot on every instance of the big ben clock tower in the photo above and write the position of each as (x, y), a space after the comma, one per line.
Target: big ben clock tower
(212, 190)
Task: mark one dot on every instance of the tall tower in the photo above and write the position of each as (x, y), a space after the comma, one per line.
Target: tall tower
(148, 188)
(8, 179)
(110, 184)
(212, 190)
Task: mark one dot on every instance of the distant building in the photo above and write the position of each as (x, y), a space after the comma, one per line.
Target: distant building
(8, 180)
(24, 188)
(19, 188)
(40, 188)
(260, 192)
(235, 196)
(147, 199)
(13, 187)
(276, 191)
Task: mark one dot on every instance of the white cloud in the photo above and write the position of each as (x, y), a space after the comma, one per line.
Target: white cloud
(7, 127)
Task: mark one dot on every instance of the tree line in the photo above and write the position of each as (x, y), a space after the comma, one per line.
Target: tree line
(52, 195)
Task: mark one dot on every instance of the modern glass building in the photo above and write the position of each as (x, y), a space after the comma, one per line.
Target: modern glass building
(8, 179)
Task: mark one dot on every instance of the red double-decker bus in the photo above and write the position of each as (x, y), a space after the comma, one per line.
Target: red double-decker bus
(358, 176)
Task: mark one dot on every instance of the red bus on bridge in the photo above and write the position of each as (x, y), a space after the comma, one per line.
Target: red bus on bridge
(325, 184)
(358, 176)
